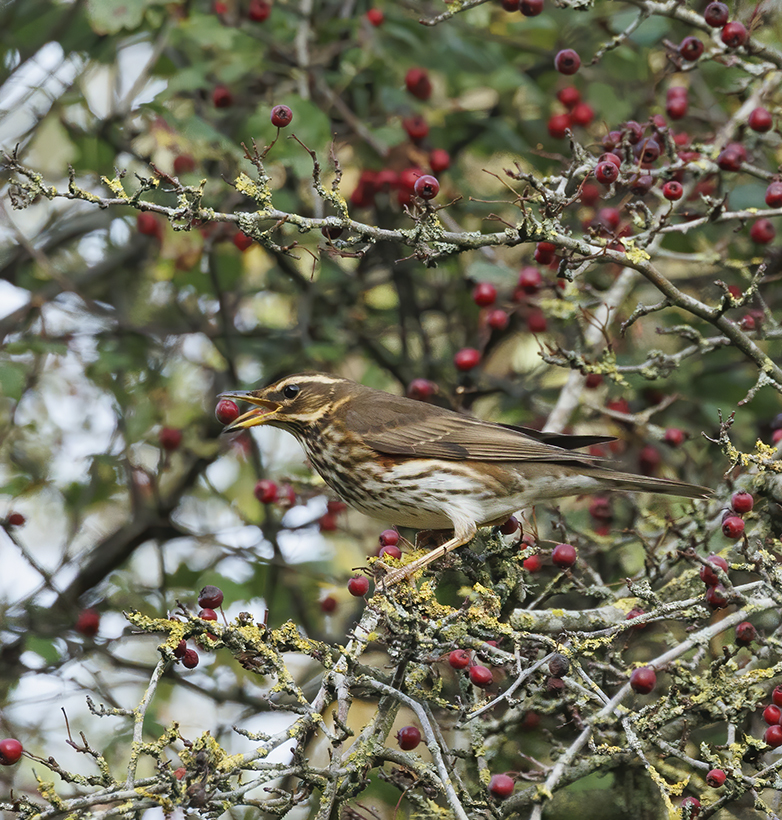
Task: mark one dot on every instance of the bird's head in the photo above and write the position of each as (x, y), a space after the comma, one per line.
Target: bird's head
(291, 403)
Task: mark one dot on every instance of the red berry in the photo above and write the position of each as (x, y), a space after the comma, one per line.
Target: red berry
(569, 96)
(716, 14)
(707, 573)
(731, 157)
(674, 436)
(609, 156)
(600, 508)
(733, 527)
(439, 160)
(673, 190)
(259, 10)
(421, 389)
(222, 97)
(606, 172)
(760, 120)
(776, 437)
(416, 127)
(418, 83)
(510, 5)
(649, 460)
(335, 506)
(530, 8)
(634, 131)
(501, 786)
(190, 659)
(734, 34)
(88, 622)
(207, 614)
(643, 680)
(227, 411)
(427, 187)
(10, 751)
(676, 107)
(358, 585)
(589, 194)
(170, 438)
(691, 48)
(459, 659)
(391, 550)
(328, 604)
(536, 321)
(328, 522)
(484, 294)
(742, 502)
(582, 114)
(408, 737)
(148, 225)
(210, 597)
(715, 778)
(691, 807)
(544, 252)
(389, 538)
(776, 697)
(558, 125)
(180, 650)
(375, 17)
(762, 231)
(266, 491)
(745, 633)
(564, 556)
(635, 613)
(184, 164)
(532, 564)
(774, 195)
(649, 151)
(530, 280)
(15, 519)
(281, 116)
(242, 241)
(567, 61)
(510, 526)
(773, 736)
(497, 319)
(717, 597)
(219, 7)
(466, 359)
(480, 676)
(641, 185)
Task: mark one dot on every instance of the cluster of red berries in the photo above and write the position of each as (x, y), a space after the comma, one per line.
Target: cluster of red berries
(209, 599)
(408, 183)
(772, 715)
(479, 675)
(576, 112)
(732, 527)
(387, 544)
(485, 295)
(269, 492)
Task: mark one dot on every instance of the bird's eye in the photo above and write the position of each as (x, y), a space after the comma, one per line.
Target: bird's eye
(290, 391)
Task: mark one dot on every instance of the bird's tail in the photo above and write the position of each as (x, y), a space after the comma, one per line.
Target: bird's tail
(646, 484)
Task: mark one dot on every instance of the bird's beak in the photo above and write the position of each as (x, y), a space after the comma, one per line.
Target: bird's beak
(264, 410)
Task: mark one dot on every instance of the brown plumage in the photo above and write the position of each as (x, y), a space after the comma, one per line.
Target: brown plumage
(419, 465)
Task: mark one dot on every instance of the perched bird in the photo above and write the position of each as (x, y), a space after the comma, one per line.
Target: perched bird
(418, 465)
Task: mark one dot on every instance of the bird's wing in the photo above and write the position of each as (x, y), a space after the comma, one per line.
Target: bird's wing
(391, 427)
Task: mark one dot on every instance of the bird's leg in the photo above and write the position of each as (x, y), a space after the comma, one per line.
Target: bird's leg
(462, 535)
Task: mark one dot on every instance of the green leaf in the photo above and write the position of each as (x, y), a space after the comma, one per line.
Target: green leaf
(12, 380)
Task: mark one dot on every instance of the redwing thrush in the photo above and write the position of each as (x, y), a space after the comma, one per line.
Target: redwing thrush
(419, 465)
